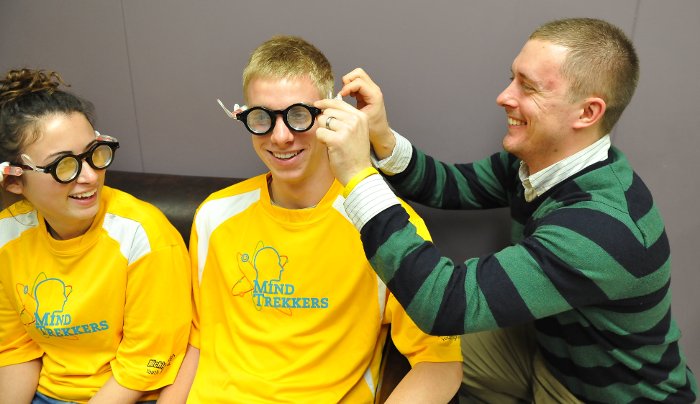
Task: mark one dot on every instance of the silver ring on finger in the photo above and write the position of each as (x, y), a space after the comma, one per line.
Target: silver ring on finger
(328, 122)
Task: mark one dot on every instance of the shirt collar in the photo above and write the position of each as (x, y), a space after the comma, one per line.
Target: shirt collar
(543, 180)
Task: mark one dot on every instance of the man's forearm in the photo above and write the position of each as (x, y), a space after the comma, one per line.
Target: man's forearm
(383, 146)
(396, 154)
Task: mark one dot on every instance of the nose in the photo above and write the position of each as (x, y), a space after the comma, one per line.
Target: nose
(87, 174)
(505, 98)
(281, 133)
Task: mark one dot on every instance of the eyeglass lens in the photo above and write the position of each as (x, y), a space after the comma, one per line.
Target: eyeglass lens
(68, 167)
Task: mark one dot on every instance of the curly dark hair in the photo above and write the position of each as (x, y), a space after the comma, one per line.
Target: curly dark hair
(26, 96)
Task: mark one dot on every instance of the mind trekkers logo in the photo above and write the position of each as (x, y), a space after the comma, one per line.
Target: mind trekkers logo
(44, 306)
(262, 277)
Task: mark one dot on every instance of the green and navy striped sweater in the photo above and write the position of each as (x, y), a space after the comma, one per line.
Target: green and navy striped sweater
(589, 265)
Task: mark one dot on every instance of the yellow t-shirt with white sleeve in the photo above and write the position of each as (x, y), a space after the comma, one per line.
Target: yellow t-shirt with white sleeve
(115, 301)
(287, 307)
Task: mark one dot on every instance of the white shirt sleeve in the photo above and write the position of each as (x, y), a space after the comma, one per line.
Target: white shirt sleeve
(369, 197)
(399, 159)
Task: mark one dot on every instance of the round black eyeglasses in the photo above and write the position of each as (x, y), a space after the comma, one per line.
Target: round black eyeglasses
(67, 167)
(297, 117)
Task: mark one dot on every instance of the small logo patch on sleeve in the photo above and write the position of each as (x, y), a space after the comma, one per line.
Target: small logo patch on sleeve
(156, 366)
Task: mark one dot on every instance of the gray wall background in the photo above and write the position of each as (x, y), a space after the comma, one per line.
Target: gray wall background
(154, 69)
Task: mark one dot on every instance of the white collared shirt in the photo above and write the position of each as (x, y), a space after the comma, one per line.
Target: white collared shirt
(543, 180)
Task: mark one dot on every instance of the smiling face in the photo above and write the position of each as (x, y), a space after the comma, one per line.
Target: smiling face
(295, 159)
(540, 115)
(69, 209)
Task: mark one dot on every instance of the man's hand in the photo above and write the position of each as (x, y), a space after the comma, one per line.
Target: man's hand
(345, 132)
(370, 100)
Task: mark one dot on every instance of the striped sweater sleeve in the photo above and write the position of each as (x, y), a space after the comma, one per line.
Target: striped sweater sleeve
(432, 288)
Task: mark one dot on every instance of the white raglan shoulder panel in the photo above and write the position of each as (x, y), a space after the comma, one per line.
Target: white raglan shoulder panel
(12, 227)
(129, 234)
(212, 214)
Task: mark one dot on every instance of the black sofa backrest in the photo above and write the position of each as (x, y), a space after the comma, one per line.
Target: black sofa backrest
(177, 196)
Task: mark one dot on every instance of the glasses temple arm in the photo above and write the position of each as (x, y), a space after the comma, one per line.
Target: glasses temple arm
(236, 108)
(7, 169)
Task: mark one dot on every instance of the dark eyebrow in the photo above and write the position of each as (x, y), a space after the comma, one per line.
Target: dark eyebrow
(65, 152)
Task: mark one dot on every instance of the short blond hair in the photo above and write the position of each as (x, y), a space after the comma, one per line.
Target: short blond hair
(286, 57)
(601, 62)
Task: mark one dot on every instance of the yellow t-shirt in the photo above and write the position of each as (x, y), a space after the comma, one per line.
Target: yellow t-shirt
(287, 308)
(115, 301)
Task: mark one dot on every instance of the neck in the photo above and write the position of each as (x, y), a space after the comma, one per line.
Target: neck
(52, 232)
(65, 234)
(305, 194)
(556, 153)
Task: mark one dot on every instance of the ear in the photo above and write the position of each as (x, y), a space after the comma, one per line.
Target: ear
(592, 111)
(13, 184)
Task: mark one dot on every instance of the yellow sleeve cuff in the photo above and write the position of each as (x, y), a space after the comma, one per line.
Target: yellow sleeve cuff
(357, 178)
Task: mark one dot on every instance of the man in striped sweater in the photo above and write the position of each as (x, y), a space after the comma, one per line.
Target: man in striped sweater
(578, 308)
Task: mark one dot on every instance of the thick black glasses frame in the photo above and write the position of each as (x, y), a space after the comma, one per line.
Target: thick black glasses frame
(243, 116)
(87, 156)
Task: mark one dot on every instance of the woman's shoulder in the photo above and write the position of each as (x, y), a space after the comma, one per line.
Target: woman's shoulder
(123, 203)
(125, 211)
(15, 220)
(21, 207)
